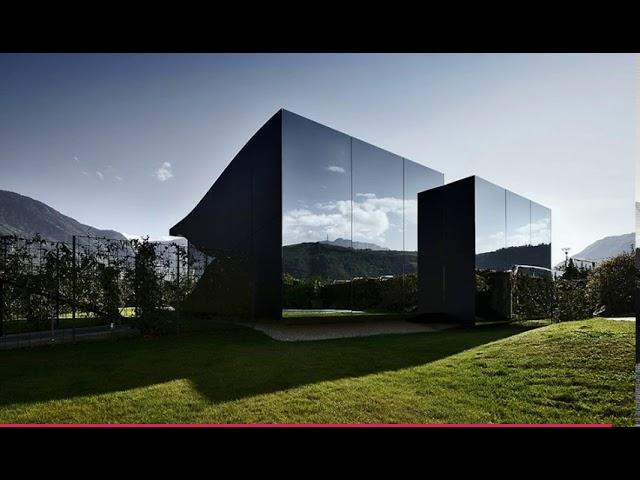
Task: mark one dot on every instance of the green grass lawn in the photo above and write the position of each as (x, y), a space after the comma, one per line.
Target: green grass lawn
(576, 372)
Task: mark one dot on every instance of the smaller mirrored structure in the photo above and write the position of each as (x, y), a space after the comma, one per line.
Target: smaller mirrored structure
(472, 236)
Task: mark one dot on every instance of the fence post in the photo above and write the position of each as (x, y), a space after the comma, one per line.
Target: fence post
(73, 290)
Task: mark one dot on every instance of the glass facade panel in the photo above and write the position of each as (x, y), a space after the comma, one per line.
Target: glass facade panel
(377, 198)
(377, 228)
(518, 220)
(316, 183)
(349, 220)
(490, 223)
(540, 225)
(316, 215)
(540, 235)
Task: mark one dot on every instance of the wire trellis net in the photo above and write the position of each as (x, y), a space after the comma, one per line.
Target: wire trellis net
(90, 281)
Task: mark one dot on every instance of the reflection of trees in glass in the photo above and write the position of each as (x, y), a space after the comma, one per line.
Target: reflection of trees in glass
(329, 262)
(506, 258)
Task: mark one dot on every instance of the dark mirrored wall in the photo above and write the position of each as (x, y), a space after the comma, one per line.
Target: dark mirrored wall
(349, 221)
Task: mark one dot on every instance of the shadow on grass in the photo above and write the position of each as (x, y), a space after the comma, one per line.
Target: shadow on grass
(225, 363)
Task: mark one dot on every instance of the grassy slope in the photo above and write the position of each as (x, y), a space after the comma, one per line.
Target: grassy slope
(572, 372)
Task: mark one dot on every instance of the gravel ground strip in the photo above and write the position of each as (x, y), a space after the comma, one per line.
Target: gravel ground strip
(327, 331)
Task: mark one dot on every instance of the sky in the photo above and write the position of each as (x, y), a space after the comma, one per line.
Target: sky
(132, 141)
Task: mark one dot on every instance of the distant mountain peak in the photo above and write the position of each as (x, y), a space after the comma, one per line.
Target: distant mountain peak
(343, 242)
(25, 217)
(606, 247)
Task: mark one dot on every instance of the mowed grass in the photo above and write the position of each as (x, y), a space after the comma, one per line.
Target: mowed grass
(576, 372)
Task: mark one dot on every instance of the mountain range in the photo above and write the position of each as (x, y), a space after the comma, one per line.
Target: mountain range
(23, 216)
(607, 247)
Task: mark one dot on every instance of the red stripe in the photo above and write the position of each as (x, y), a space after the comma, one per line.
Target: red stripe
(298, 425)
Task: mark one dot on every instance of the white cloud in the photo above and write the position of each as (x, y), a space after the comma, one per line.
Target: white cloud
(164, 173)
(118, 178)
(100, 175)
(76, 159)
(335, 169)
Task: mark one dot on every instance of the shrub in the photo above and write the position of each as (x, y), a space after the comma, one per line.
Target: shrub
(612, 285)
(297, 293)
(562, 299)
(572, 300)
(532, 297)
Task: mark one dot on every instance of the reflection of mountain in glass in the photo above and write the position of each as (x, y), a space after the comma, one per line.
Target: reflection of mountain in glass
(506, 258)
(343, 242)
(330, 262)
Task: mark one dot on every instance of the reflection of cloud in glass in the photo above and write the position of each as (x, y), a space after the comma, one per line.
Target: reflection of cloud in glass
(541, 231)
(372, 218)
(335, 169)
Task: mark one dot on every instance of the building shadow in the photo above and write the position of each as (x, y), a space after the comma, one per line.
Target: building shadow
(228, 363)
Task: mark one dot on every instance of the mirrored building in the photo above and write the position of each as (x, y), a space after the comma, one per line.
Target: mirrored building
(472, 235)
(306, 217)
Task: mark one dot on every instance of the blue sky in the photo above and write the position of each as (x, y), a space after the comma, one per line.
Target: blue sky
(133, 141)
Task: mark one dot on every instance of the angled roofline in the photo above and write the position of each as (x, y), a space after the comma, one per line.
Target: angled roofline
(222, 174)
(363, 141)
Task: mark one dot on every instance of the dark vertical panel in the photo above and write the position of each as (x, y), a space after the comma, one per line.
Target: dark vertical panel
(266, 155)
(236, 222)
(431, 251)
(459, 258)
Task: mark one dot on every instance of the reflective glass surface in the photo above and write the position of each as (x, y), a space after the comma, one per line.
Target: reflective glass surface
(349, 220)
(518, 220)
(540, 236)
(490, 217)
(510, 229)
(316, 183)
(377, 198)
(540, 224)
